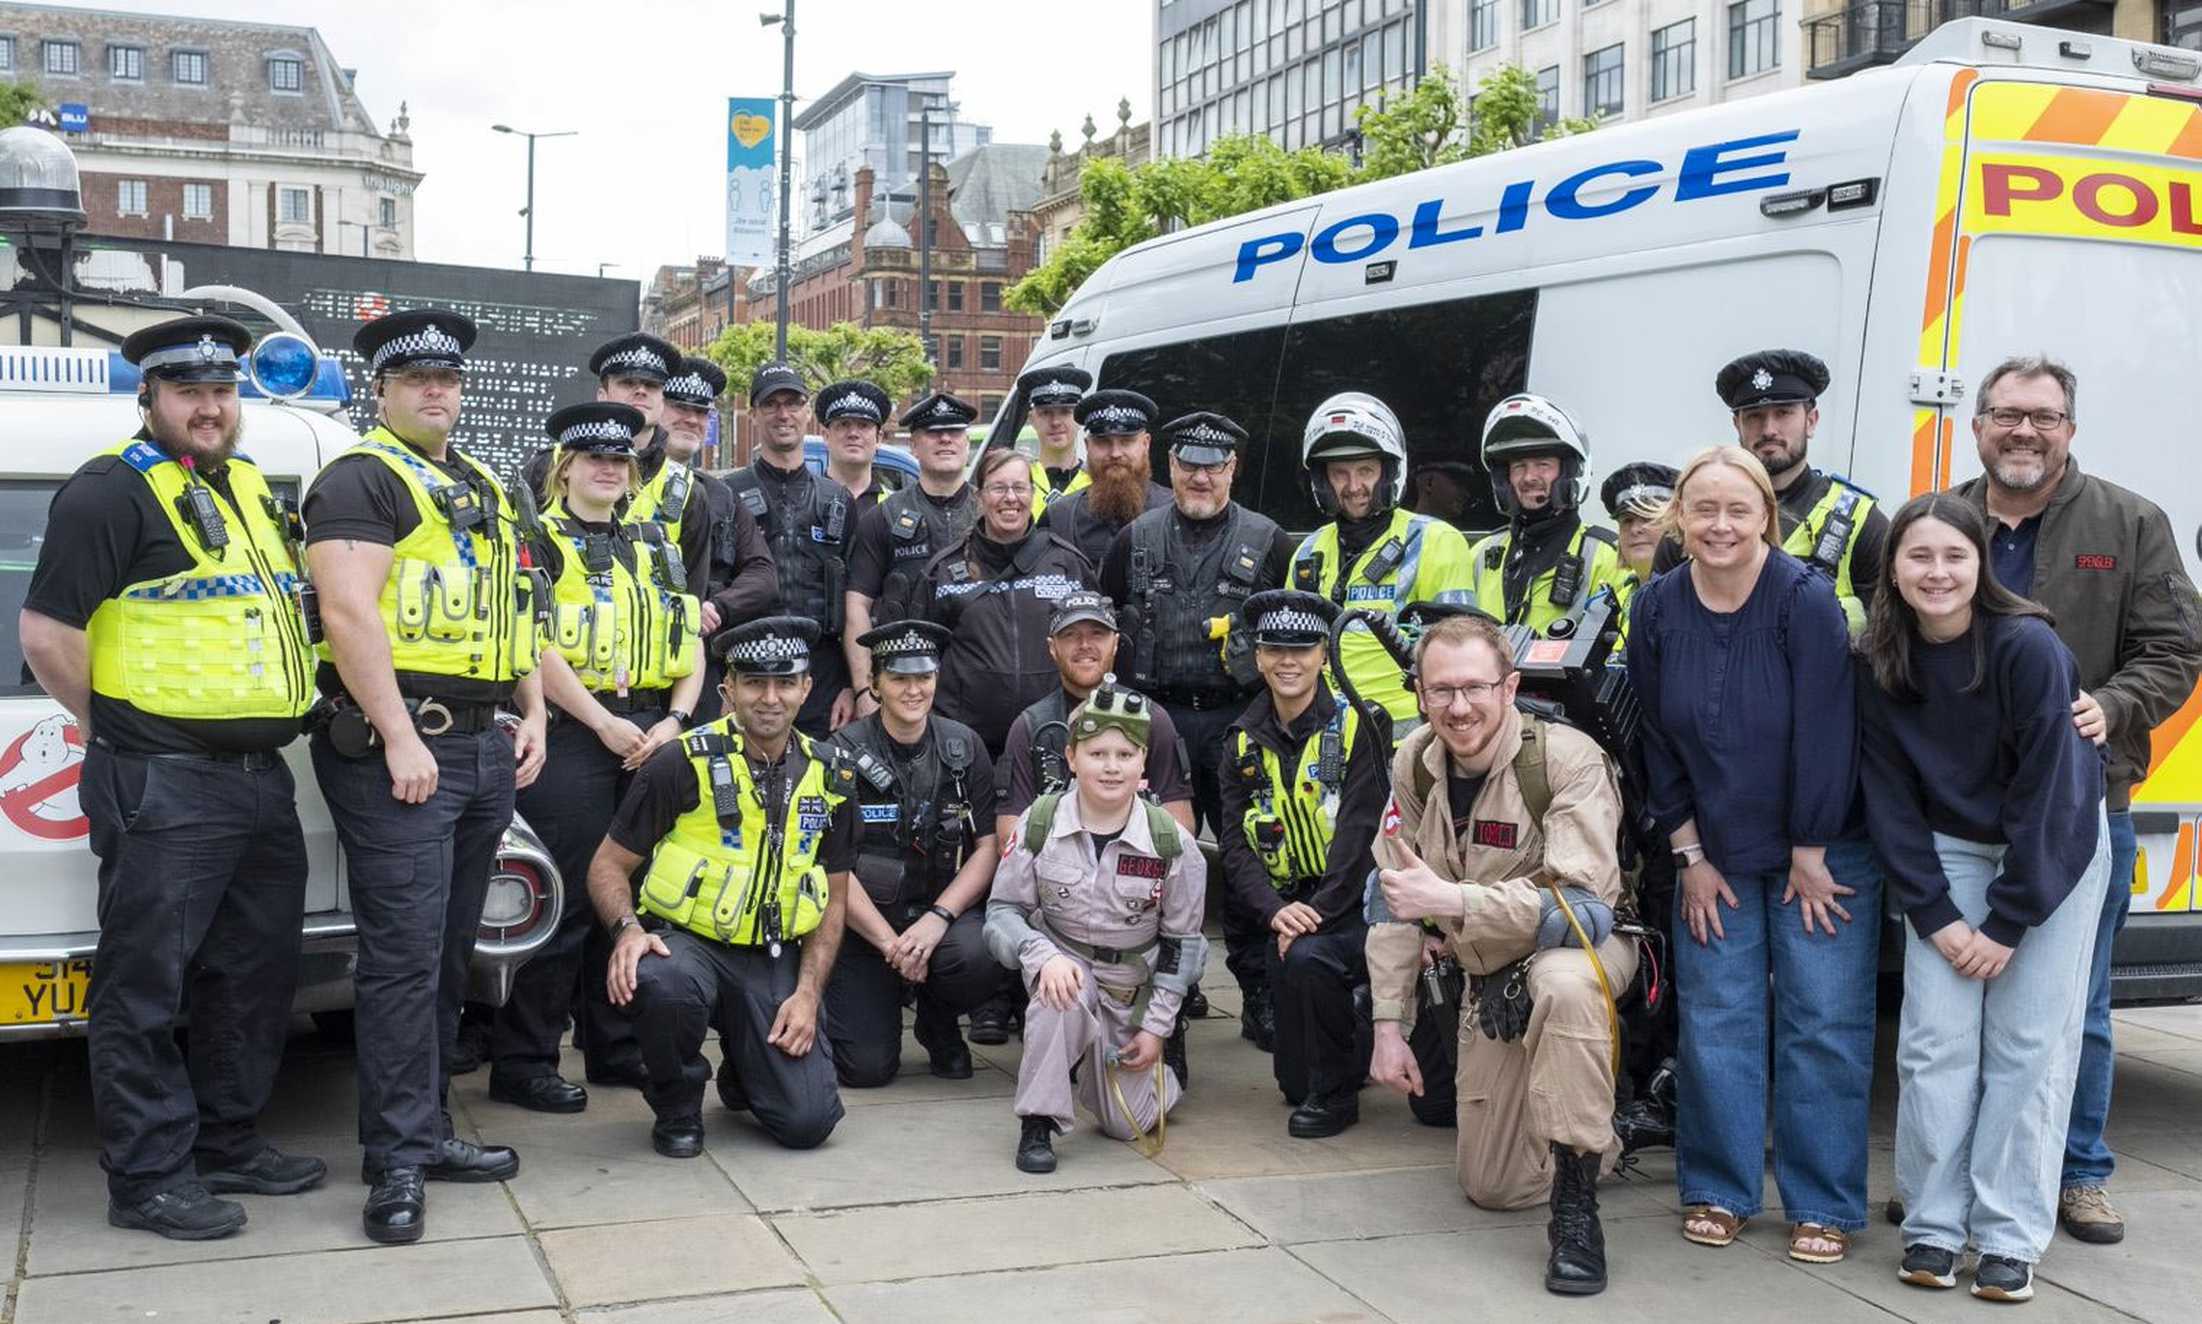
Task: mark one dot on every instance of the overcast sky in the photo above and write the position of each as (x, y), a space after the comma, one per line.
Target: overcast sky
(646, 82)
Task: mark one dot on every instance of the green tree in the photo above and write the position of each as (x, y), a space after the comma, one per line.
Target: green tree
(892, 358)
(17, 101)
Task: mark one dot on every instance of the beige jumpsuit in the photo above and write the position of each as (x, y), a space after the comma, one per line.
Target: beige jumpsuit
(1556, 1082)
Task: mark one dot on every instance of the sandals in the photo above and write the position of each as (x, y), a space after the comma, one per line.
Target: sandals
(1802, 1237)
(1710, 1225)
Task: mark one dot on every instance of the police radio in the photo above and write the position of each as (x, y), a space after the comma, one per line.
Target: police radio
(873, 771)
(196, 505)
(461, 506)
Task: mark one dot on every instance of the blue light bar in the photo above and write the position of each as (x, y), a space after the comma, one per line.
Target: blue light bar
(329, 384)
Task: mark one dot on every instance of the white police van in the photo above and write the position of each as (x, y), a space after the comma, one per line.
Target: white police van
(58, 407)
(2001, 189)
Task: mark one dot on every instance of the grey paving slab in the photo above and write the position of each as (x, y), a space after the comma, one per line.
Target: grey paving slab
(2186, 1058)
(510, 1124)
(917, 1151)
(918, 1084)
(70, 1233)
(1346, 1205)
(2178, 1151)
(2139, 1037)
(614, 1263)
(328, 1287)
(782, 1307)
(1869, 1273)
(1655, 1276)
(2153, 1273)
(15, 1176)
(603, 1171)
(501, 1317)
(1243, 1286)
(2184, 1019)
(976, 1236)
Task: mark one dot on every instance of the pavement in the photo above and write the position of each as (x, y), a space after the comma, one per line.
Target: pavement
(913, 1212)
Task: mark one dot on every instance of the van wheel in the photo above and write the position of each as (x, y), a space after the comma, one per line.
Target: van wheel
(336, 1026)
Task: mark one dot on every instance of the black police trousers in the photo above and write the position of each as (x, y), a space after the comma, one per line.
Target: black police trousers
(1435, 1042)
(417, 875)
(1206, 736)
(569, 806)
(864, 995)
(202, 884)
(1322, 1037)
(678, 998)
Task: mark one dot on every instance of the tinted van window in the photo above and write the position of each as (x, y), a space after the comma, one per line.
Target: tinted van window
(1234, 375)
(22, 532)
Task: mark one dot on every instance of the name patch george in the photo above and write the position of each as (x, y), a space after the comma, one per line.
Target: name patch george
(2094, 561)
(1490, 832)
(1138, 866)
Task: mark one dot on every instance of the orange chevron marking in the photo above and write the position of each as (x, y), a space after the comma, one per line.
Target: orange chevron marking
(2077, 115)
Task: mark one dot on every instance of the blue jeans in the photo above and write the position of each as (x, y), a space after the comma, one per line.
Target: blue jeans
(1821, 1024)
(2087, 1160)
(1986, 1069)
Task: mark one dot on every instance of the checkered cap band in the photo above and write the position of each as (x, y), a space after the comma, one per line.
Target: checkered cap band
(595, 429)
(1642, 494)
(769, 648)
(689, 386)
(853, 402)
(1057, 393)
(1111, 415)
(1207, 433)
(945, 410)
(1291, 620)
(912, 643)
(637, 356)
(430, 340)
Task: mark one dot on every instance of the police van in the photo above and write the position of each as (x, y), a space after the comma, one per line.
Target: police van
(59, 406)
(2001, 189)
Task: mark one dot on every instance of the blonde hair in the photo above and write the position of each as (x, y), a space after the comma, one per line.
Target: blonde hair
(554, 481)
(1745, 463)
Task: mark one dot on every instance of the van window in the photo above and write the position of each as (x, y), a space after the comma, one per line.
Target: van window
(1440, 366)
(1234, 375)
(22, 531)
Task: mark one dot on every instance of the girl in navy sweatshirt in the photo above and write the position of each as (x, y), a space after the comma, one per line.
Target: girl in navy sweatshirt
(1987, 806)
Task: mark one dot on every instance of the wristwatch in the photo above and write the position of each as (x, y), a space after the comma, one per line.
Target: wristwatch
(947, 916)
(681, 717)
(624, 923)
(1685, 856)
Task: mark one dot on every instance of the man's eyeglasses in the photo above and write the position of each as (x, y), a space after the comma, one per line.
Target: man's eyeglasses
(1441, 697)
(2044, 420)
(418, 378)
(999, 491)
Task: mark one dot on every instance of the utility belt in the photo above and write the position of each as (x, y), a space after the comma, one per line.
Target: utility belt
(352, 735)
(251, 760)
(1135, 958)
(634, 701)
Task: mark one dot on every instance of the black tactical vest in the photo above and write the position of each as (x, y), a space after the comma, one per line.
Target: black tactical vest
(915, 817)
(808, 529)
(1177, 595)
(916, 528)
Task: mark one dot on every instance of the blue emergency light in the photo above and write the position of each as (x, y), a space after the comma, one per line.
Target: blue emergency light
(282, 366)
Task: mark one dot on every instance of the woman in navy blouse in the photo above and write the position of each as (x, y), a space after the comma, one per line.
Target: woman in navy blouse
(1741, 659)
(1988, 806)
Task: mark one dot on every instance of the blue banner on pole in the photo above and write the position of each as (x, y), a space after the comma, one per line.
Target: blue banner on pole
(752, 140)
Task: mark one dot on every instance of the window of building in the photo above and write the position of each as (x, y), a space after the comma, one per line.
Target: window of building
(61, 58)
(932, 296)
(1548, 97)
(294, 206)
(7, 55)
(1602, 82)
(1537, 13)
(130, 197)
(188, 67)
(198, 202)
(990, 353)
(286, 73)
(1754, 37)
(1395, 53)
(954, 345)
(1674, 60)
(389, 210)
(126, 63)
(2182, 25)
(955, 296)
(990, 296)
(989, 406)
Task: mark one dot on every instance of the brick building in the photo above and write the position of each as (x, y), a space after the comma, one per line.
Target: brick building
(1062, 204)
(212, 131)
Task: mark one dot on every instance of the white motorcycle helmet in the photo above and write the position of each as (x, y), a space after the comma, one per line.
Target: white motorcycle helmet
(1524, 425)
(1351, 424)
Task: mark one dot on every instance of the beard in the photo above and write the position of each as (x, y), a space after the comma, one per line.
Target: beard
(205, 456)
(1119, 492)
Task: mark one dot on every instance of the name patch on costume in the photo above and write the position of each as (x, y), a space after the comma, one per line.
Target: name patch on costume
(882, 813)
(810, 814)
(1139, 866)
(2094, 561)
(1490, 832)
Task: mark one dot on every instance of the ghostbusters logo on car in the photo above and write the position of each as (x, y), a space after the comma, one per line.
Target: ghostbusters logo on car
(38, 781)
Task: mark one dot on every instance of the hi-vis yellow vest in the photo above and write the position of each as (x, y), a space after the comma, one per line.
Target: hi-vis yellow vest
(1599, 568)
(1827, 536)
(456, 603)
(223, 639)
(751, 881)
(1044, 489)
(1416, 559)
(664, 499)
(1290, 826)
(621, 629)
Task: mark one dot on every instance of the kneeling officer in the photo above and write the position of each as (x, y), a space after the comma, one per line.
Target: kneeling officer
(750, 833)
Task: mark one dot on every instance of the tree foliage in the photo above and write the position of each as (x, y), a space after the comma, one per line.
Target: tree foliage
(1430, 126)
(892, 358)
(17, 101)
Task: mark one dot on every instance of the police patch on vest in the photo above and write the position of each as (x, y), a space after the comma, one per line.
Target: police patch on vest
(1369, 593)
(2094, 561)
(810, 814)
(1489, 832)
(872, 814)
(1139, 866)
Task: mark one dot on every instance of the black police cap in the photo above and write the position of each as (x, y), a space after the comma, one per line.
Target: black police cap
(699, 383)
(1638, 485)
(1203, 437)
(432, 337)
(769, 646)
(189, 349)
(939, 411)
(773, 377)
(907, 648)
(855, 399)
(1289, 617)
(1082, 604)
(596, 427)
(636, 354)
(1115, 412)
(1772, 377)
(1058, 384)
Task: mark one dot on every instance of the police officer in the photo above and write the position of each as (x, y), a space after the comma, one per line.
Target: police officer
(1051, 405)
(925, 857)
(1517, 820)
(1774, 398)
(898, 536)
(168, 545)
(1182, 574)
(740, 582)
(1098, 905)
(1543, 568)
(429, 616)
(1120, 483)
(749, 831)
(1295, 756)
(1635, 496)
(622, 669)
(1372, 556)
(809, 521)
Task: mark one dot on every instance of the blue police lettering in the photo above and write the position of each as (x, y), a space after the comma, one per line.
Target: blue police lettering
(1739, 165)
(881, 813)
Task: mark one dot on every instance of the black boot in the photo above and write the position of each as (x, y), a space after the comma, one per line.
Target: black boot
(1258, 1019)
(1173, 1055)
(1577, 1266)
(1035, 1147)
(1196, 1004)
(990, 1022)
(1643, 1125)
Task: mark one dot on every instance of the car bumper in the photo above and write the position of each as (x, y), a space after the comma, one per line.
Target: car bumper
(2158, 959)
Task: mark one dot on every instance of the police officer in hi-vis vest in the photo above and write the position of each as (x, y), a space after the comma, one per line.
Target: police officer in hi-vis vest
(429, 612)
(168, 546)
(1051, 406)
(750, 831)
(622, 670)
(1544, 567)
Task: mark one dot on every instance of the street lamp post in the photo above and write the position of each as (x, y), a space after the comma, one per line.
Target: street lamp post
(529, 210)
(926, 105)
(786, 22)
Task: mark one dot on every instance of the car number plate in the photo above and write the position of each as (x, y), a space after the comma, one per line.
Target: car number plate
(43, 992)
